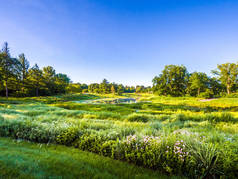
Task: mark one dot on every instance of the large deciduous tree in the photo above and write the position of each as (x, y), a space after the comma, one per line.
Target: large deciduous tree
(198, 82)
(172, 81)
(228, 75)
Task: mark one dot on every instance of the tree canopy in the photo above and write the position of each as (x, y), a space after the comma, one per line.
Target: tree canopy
(176, 81)
(18, 79)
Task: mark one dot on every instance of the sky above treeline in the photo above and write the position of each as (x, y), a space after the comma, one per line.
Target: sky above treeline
(124, 41)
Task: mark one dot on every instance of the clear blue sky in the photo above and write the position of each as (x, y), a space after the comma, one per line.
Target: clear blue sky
(125, 41)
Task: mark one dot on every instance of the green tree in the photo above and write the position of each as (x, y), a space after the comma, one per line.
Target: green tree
(215, 86)
(36, 78)
(173, 81)
(140, 89)
(198, 82)
(61, 82)
(8, 67)
(24, 66)
(113, 89)
(104, 87)
(93, 88)
(228, 75)
(120, 89)
(74, 88)
(49, 77)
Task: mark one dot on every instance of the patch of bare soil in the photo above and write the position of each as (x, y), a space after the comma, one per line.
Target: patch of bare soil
(205, 100)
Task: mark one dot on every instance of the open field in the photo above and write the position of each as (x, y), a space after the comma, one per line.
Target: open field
(180, 136)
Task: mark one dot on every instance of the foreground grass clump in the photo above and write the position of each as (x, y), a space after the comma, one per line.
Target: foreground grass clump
(138, 117)
(19, 159)
(181, 136)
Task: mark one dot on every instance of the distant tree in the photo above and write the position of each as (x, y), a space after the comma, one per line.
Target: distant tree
(24, 66)
(93, 88)
(104, 87)
(49, 79)
(36, 78)
(8, 66)
(113, 90)
(228, 75)
(84, 86)
(215, 86)
(172, 81)
(140, 89)
(15, 77)
(74, 88)
(61, 82)
(198, 82)
(132, 89)
(120, 89)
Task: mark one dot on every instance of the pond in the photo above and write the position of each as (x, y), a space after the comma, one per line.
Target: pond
(108, 101)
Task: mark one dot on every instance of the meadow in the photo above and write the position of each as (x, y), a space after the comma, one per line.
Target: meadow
(154, 137)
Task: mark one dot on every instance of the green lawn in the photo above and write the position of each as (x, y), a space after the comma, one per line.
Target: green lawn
(29, 160)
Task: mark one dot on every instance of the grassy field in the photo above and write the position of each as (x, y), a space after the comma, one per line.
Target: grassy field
(176, 136)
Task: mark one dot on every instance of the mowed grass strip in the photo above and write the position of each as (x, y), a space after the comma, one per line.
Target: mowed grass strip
(21, 159)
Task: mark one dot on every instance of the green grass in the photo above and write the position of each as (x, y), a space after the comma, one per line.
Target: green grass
(20, 159)
(104, 129)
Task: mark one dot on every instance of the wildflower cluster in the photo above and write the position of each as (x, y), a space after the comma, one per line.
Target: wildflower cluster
(148, 140)
(179, 150)
(141, 144)
(131, 139)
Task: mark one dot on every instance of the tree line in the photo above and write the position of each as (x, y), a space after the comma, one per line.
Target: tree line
(175, 80)
(106, 87)
(17, 78)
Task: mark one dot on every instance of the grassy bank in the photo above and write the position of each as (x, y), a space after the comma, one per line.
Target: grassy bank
(28, 160)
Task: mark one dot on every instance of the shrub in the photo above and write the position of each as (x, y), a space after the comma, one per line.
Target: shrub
(204, 159)
(138, 117)
(229, 158)
(222, 117)
(207, 94)
(89, 142)
(232, 95)
(68, 136)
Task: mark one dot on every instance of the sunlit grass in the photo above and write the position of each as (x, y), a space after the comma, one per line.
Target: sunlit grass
(19, 159)
(45, 120)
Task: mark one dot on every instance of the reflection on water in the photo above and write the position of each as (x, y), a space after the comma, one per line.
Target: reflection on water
(108, 101)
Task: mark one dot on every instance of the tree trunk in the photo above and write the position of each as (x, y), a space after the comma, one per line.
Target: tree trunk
(6, 90)
(37, 92)
(228, 89)
(198, 91)
(23, 86)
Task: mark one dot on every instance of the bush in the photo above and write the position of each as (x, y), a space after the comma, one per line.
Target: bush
(222, 117)
(68, 136)
(204, 160)
(85, 91)
(229, 158)
(207, 94)
(232, 95)
(138, 117)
